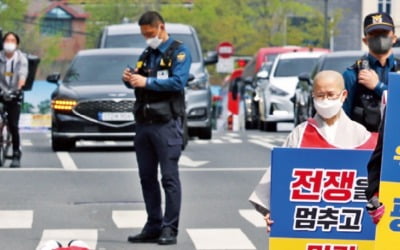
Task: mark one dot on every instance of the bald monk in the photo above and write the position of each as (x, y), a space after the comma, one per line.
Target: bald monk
(329, 128)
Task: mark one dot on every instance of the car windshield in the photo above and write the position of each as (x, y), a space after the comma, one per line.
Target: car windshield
(137, 41)
(339, 64)
(98, 69)
(294, 66)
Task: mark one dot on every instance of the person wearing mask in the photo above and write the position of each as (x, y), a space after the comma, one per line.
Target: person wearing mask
(14, 72)
(329, 128)
(161, 74)
(367, 79)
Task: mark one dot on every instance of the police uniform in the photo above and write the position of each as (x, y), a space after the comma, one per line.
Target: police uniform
(356, 90)
(159, 109)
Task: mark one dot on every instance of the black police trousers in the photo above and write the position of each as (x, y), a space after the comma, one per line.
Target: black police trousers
(160, 143)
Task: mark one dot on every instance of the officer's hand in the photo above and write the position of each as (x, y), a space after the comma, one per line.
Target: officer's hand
(138, 81)
(126, 76)
(269, 222)
(369, 78)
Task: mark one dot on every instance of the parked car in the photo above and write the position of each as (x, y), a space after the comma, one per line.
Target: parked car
(198, 92)
(338, 61)
(277, 87)
(91, 102)
(263, 58)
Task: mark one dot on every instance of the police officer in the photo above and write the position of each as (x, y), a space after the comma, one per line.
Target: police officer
(379, 36)
(158, 80)
(367, 79)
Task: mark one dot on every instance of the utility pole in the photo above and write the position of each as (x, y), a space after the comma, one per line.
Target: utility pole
(326, 41)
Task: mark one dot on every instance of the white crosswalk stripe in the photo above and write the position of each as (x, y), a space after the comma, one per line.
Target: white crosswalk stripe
(202, 238)
(219, 238)
(16, 219)
(129, 219)
(89, 236)
(252, 216)
(26, 143)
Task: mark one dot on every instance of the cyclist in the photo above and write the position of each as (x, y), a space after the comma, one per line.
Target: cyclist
(13, 72)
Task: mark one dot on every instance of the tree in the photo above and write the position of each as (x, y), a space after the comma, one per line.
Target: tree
(44, 107)
(107, 12)
(27, 108)
(12, 11)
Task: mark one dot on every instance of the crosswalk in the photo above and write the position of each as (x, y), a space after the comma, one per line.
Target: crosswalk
(202, 238)
(262, 139)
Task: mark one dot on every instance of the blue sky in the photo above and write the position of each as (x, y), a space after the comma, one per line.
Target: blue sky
(41, 91)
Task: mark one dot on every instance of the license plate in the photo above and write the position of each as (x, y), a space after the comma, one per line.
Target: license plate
(116, 116)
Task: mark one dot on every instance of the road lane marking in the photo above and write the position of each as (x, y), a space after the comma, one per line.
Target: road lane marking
(186, 161)
(220, 238)
(89, 236)
(26, 143)
(181, 169)
(14, 219)
(263, 144)
(252, 216)
(129, 219)
(66, 161)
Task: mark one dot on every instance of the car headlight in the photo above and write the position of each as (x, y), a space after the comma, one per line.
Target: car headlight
(277, 91)
(63, 105)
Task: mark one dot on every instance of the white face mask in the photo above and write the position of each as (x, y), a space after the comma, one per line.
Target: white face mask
(328, 108)
(9, 47)
(154, 42)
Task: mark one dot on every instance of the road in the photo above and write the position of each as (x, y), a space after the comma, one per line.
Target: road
(93, 194)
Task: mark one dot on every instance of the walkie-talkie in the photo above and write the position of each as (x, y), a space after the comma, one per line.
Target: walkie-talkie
(363, 64)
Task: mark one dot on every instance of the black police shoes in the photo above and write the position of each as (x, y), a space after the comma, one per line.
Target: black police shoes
(167, 237)
(144, 237)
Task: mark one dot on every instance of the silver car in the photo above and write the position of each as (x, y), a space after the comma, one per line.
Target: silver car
(198, 92)
(276, 88)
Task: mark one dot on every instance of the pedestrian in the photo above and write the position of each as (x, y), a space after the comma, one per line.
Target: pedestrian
(159, 78)
(13, 75)
(329, 128)
(367, 79)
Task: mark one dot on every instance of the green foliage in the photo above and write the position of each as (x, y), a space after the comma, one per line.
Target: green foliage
(27, 108)
(44, 107)
(10, 12)
(46, 47)
(109, 12)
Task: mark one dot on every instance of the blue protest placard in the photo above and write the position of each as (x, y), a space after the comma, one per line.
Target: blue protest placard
(318, 200)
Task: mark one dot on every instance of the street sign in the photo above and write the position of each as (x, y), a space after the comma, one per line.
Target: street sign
(225, 50)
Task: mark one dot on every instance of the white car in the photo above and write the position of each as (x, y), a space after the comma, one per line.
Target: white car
(276, 88)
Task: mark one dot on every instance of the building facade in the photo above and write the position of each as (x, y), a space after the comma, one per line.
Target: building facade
(58, 17)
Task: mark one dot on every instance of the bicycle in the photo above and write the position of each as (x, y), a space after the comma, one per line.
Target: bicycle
(5, 135)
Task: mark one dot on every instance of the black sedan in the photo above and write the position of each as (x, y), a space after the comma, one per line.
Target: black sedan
(91, 102)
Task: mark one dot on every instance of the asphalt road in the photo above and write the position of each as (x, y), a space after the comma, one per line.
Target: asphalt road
(93, 194)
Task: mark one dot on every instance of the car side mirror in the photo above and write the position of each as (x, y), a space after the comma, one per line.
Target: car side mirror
(305, 77)
(263, 74)
(191, 77)
(53, 78)
(211, 58)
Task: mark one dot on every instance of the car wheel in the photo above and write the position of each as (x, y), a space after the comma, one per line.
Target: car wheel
(270, 126)
(58, 144)
(205, 133)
